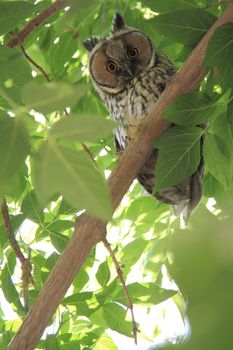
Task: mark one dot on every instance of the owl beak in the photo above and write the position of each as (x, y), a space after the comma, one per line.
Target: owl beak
(127, 73)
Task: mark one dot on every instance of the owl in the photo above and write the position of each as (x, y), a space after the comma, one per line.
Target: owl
(129, 74)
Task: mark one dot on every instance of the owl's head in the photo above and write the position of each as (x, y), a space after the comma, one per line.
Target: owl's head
(116, 60)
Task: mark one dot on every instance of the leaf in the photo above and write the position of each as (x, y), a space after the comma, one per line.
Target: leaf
(220, 47)
(103, 274)
(12, 13)
(32, 209)
(105, 342)
(132, 252)
(169, 5)
(114, 316)
(185, 26)
(62, 52)
(82, 128)
(218, 159)
(14, 147)
(179, 155)
(190, 109)
(9, 289)
(145, 294)
(60, 170)
(49, 97)
(59, 241)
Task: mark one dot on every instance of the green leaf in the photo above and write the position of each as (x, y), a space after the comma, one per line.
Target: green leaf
(179, 155)
(220, 47)
(12, 13)
(103, 274)
(60, 170)
(59, 241)
(218, 159)
(9, 289)
(82, 128)
(190, 109)
(49, 97)
(60, 53)
(114, 316)
(77, 298)
(105, 342)
(14, 147)
(32, 209)
(146, 294)
(132, 252)
(169, 5)
(186, 26)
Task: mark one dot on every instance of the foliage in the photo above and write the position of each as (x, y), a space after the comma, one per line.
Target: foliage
(47, 176)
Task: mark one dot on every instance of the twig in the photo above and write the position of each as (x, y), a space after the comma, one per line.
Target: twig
(126, 292)
(25, 263)
(19, 37)
(88, 231)
(34, 63)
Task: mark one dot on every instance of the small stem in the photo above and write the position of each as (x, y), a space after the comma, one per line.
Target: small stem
(126, 292)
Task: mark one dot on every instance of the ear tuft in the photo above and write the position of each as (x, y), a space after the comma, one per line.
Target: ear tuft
(118, 22)
(90, 43)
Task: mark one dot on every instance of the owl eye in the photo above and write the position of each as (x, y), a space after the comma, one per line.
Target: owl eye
(112, 67)
(132, 52)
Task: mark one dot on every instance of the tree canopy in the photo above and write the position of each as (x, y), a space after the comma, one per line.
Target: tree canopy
(56, 152)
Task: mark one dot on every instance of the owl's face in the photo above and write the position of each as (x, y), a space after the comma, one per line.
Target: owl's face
(117, 59)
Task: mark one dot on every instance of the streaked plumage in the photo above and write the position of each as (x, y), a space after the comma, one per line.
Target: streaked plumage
(130, 75)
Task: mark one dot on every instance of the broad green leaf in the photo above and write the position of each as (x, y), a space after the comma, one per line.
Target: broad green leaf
(105, 342)
(12, 13)
(14, 147)
(217, 158)
(77, 298)
(190, 109)
(32, 209)
(62, 52)
(220, 47)
(186, 26)
(147, 294)
(49, 97)
(103, 274)
(169, 5)
(59, 241)
(9, 289)
(132, 252)
(82, 128)
(114, 316)
(60, 170)
(179, 155)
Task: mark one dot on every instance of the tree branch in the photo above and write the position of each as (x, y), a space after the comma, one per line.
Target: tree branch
(19, 37)
(89, 230)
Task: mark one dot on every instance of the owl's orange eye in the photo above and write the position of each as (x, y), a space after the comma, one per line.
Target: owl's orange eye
(133, 52)
(112, 67)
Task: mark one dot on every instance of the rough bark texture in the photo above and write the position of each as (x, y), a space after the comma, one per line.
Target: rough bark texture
(88, 230)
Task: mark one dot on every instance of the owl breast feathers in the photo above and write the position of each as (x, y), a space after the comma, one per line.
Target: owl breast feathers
(130, 75)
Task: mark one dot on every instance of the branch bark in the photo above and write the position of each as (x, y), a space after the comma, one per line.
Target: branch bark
(19, 37)
(89, 230)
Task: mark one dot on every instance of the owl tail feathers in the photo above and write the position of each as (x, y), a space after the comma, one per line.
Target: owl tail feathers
(186, 207)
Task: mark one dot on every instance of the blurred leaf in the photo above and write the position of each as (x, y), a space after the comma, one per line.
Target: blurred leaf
(82, 128)
(9, 289)
(49, 97)
(60, 170)
(220, 47)
(105, 342)
(114, 316)
(59, 241)
(12, 13)
(147, 294)
(103, 274)
(179, 155)
(169, 5)
(32, 209)
(185, 26)
(14, 147)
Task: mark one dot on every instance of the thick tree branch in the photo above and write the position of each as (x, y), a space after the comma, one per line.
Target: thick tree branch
(19, 37)
(89, 230)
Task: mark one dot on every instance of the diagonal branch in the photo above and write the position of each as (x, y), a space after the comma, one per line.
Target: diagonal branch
(89, 230)
(19, 37)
